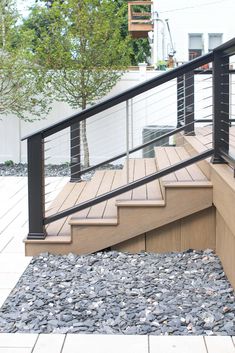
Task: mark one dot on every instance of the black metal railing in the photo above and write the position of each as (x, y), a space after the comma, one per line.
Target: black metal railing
(184, 74)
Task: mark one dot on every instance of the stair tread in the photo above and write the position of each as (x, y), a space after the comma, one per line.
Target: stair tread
(110, 180)
(168, 156)
(67, 198)
(138, 168)
(97, 211)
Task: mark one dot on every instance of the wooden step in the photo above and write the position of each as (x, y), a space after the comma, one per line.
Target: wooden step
(106, 213)
(188, 176)
(136, 212)
(149, 194)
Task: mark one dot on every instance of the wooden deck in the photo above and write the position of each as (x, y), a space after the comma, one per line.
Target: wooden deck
(203, 139)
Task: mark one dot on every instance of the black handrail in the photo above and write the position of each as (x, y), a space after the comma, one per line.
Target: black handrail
(130, 186)
(123, 96)
(227, 48)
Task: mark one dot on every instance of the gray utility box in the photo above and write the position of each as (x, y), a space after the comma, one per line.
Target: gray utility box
(151, 132)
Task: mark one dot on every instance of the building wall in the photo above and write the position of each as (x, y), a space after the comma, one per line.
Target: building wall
(196, 16)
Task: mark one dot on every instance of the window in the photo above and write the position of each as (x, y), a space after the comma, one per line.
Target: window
(214, 40)
(195, 45)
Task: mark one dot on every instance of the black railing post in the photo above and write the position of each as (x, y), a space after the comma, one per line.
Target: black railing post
(180, 101)
(220, 106)
(36, 190)
(189, 103)
(75, 153)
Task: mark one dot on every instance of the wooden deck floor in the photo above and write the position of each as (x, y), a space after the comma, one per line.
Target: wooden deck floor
(203, 137)
(167, 156)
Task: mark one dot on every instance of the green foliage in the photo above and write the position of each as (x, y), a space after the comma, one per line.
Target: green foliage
(9, 163)
(81, 45)
(23, 88)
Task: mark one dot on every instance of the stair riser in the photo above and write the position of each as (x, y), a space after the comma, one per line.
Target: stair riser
(135, 221)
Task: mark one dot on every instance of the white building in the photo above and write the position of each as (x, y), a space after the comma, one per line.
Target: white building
(197, 26)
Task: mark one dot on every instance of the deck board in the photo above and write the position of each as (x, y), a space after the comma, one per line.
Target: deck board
(90, 191)
(61, 226)
(139, 193)
(163, 162)
(97, 211)
(173, 157)
(111, 209)
(154, 191)
(57, 203)
(195, 173)
(127, 195)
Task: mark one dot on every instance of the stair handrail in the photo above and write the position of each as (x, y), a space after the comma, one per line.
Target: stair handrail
(220, 58)
(122, 97)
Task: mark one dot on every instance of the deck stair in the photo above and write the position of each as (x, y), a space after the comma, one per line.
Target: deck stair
(124, 222)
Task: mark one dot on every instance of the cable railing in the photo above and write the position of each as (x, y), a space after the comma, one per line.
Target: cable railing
(181, 97)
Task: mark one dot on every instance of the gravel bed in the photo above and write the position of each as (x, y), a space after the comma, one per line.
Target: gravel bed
(51, 170)
(112, 292)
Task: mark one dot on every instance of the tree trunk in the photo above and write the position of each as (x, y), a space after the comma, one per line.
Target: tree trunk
(3, 27)
(85, 146)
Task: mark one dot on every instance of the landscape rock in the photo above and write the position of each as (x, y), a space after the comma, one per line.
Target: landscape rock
(121, 293)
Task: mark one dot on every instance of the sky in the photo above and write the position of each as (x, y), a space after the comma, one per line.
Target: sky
(23, 5)
(169, 6)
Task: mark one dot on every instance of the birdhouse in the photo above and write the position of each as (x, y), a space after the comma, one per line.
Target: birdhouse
(139, 18)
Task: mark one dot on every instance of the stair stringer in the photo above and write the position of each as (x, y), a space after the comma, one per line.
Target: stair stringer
(133, 220)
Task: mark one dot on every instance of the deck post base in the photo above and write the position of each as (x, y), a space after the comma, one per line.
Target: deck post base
(75, 180)
(36, 236)
(218, 160)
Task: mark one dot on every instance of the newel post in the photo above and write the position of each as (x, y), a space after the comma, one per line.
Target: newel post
(189, 103)
(36, 189)
(180, 101)
(75, 153)
(220, 106)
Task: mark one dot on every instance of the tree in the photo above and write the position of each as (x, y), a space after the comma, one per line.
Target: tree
(140, 47)
(81, 45)
(21, 85)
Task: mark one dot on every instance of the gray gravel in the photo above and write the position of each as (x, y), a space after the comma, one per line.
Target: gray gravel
(111, 292)
(51, 170)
